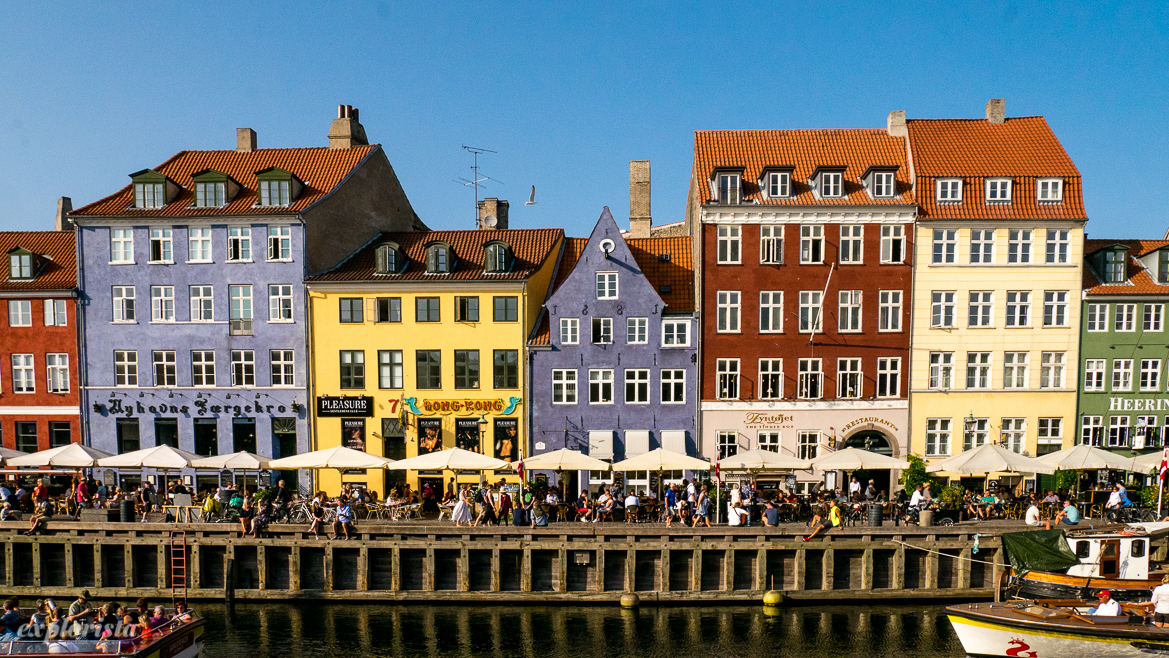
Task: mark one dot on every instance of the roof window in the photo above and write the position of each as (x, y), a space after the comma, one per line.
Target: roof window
(1115, 261)
(1049, 190)
(213, 189)
(497, 257)
(880, 182)
(388, 259)
(439, 259)
(828, 182)
(22, 265)
(152, 190)
(277, 187)
(998, 190)
(949, 190)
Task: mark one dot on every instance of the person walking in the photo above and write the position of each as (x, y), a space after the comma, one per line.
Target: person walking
(702, 510)
(462, 512)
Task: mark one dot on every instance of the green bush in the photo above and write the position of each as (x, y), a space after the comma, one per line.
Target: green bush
(915, 474)
(1066, 479)
(951, 496)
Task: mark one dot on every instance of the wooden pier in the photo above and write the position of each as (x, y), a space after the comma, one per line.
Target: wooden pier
(565, 563)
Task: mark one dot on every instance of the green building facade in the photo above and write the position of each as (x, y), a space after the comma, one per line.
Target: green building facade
(1124, 344)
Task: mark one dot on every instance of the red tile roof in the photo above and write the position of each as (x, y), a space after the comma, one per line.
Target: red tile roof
(320, 169)
(677, 273)
(573, 248)
(1140, 280)
(755, 150)
(530, 247)
(542, 334)
(59, 270)
(1020, 148)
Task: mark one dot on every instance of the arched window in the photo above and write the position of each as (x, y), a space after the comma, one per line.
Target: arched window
(497, 257)
(439, 259)
(387, 259)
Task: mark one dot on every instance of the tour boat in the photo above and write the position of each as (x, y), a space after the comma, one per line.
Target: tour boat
(1053, 628)
(1081, 563)
(175, 640)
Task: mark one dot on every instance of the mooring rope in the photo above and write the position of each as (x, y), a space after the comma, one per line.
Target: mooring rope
(956, 557)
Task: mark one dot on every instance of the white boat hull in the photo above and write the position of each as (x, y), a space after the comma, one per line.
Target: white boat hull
(985, 638)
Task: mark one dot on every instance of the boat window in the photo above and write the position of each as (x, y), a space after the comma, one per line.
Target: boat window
(1138, 548)
(1082, 548)
(1110, 549)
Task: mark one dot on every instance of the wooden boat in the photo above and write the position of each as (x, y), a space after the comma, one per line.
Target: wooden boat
(1056, 628)
(1114, 557)
(174, 640)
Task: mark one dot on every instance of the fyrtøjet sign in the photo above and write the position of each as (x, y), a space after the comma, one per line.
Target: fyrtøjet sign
(346, 405)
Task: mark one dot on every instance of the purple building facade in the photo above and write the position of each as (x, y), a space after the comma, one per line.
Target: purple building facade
(612, 361)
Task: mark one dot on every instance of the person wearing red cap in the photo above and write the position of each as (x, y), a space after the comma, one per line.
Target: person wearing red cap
(1108, 607)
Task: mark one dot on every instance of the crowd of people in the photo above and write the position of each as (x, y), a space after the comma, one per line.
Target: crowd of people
(86, 627)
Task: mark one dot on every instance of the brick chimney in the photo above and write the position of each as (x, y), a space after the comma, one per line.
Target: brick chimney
(639, 188)
(996, 110)
(245, 140)
(896, 124)
(346, 131)
(493, 207)
(64, 207)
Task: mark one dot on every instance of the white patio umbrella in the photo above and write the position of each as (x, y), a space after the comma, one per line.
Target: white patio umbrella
(1144, 463)
(242, 461)
(73, 455)
(990, 458)
(563, 460)
(763, 460)
(339, 458)
(660, 459)
(452, 459)
(1090, 458)
(9, 453)
(162, 458)
(855, 459)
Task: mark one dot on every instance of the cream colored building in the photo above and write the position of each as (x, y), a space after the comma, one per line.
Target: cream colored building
(997, 280)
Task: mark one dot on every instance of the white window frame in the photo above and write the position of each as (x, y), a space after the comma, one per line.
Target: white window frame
(1150, 375)
(811, 311)
(948, 190)
(673, 381)
(727, 443)
(162, 304)
(1057, 246)
(771, 244)
(279, 243)
(979, 369)
(850, 379)
(1097, 317)
(978, 435)
(637, 331)
(210, 195)
(770, 379)
(889, 316)
(884, 184)
(768, 440)
(778, 185)
(19, 313)
(980, 309)
(243, 367)
(164, 363)
(1018, 309)
(391, 369)
(1015, 370)
(730, 246)
(944, 248)
(1126, 318)
(127, 361)
(727, 373)
(637, 381)
(892, 234)
(164, 238)
(982, 246)
(280, 303)
(123, 312)
(24, 379)
(831, 185)
(810, 375)
(239, 244)
(849, 311)
(599, 380)
(603, 326)
(1153, 317)
(771, 311)
(56, 313)
(1049, 430)
(1052, 367)
(564, 389)
(241, 304)
(1094, 372)
(808, 444)
(852, 244)
(938, 436)
(889, 377)
(675, 333)
(202, 298)
(1019, 246)
(1049, 190)
(1055, 308)
(149, 195)
(569, 331)
(998, 190)
(1091, 430)
(941, 371)
(282, 368)
(729, 188)
(203, 368)
(121, 246)
(57, 371)
(811, 244)
(199, 244)
(606, 285)
(1122, 375)
(1118, 427)
(943, 309)
(729, 306)
(1013, 432)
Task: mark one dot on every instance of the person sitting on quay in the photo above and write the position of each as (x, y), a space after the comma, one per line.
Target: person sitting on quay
(584, 511)
(9, 510)
(736, 515)
(770, 514)
(1069, 515)
(261, 520)
(1032, 516)
(605, 505)
(246, 514)
(540, 515)
(833, 520)
(344, 521)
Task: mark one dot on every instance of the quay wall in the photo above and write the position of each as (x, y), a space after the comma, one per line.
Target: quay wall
(566, 563)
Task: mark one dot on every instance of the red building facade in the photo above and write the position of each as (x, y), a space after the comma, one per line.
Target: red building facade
(805, 242)
(39, 361)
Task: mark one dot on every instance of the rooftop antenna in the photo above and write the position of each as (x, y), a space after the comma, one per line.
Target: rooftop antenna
(476, 177)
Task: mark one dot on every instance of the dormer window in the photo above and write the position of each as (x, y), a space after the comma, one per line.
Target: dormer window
(277, 187)
(496, 257)
(998, 190)
(776, 183)
(1163, 267)
(213, 189)
(729, 189)
(21, 264)
(828, 182)
(387, 259)
(439, 259)
(880, 181)
(151, 189)
(1049, 190)
(1114, 266)
(949, 190)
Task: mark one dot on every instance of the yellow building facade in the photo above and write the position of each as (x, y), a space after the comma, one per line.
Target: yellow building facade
(999, 241)
(418, 345)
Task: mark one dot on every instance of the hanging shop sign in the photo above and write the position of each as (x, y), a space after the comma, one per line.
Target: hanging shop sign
(433, 406)
(345, 405)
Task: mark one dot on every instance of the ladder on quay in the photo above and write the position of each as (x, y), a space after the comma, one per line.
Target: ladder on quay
(178, 566)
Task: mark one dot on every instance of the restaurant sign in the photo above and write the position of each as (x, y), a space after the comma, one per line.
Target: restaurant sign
(432, 406)
(755, 419)
(345, 405)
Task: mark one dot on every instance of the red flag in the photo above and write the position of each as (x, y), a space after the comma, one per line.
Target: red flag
(718, 469)
(520, 468)
(1164, 462)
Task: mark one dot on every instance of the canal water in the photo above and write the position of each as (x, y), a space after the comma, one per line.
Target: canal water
(349, 631)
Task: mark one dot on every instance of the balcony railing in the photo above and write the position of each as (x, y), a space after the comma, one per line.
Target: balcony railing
(241, 327)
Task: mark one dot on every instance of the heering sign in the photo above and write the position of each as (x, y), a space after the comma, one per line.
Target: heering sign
(356, 405)
(1131, 404)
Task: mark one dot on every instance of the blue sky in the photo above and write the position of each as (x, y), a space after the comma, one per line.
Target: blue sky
(566, 93)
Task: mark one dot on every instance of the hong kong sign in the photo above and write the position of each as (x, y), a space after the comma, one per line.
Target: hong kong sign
(430, 407)
(345, 405)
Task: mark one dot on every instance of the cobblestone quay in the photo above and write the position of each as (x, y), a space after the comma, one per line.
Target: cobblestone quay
(569, 563)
